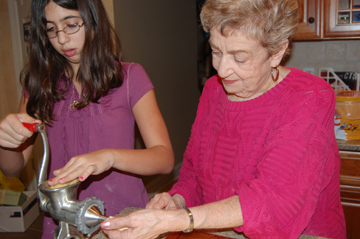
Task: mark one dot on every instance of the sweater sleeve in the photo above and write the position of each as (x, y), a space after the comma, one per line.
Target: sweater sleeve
(296, 164)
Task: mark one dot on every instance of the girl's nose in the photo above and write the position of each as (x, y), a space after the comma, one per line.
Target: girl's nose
(62, 37)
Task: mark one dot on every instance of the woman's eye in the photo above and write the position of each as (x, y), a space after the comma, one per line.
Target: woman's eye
(239, 58)
(239, 61)
(216, 53)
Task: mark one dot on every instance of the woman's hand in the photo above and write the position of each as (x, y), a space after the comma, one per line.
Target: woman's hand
(146, 223)
(12, 132)
(167, 202)
(83, 166)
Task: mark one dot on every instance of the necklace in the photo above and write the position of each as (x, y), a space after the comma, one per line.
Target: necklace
(75, 103)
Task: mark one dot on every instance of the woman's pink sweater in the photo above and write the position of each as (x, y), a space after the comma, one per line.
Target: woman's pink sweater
(277, 152)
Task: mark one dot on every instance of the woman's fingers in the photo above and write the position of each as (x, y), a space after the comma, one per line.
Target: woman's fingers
(159, 201)
(145, 223)
(162, 201)
(114, 223)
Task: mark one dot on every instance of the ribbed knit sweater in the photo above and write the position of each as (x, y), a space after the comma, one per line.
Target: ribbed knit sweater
(277, 152)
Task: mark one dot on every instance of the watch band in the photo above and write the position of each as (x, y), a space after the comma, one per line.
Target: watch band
(191, 217)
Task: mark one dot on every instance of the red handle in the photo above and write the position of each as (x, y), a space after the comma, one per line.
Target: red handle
(30, 127)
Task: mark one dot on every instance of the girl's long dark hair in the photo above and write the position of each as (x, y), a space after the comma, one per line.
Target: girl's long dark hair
(100, 68)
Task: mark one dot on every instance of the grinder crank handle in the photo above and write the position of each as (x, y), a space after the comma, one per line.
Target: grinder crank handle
(36, 127)
(31, 127)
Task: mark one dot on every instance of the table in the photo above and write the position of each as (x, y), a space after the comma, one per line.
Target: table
(193, 235)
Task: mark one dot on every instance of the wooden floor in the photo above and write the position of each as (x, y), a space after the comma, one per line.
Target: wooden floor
(153, 185)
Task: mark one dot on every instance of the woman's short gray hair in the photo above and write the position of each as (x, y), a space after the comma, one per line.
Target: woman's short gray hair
(270, 22)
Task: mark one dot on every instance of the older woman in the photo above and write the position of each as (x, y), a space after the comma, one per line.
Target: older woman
(262, 157)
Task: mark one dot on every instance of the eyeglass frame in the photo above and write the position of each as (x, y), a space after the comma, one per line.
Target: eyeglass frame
(63, 30)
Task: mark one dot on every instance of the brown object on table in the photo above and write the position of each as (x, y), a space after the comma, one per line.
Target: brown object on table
(193, 235)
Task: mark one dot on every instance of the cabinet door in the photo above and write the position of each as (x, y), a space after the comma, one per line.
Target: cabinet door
(342, 19)
(350, 168)
(309, 27)
(350, 191)
(350, 200)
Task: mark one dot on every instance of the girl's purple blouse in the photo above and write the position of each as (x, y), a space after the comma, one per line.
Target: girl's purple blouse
(107, 124)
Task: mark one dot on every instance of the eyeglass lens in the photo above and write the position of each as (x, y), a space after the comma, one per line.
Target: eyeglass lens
(69, 29)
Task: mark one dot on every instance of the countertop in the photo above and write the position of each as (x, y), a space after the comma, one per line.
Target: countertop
(195, 235)
(349, 145)
(219, 235)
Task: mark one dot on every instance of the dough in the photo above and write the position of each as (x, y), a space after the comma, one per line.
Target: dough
(59, 185)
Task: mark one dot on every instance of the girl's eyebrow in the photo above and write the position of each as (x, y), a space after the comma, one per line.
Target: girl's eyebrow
(65, 18)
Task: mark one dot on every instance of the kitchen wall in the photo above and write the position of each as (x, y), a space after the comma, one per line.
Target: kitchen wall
(161, 36)
(8, 80)
(340, 55)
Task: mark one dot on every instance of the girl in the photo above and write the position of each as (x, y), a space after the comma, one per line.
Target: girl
(89, 99)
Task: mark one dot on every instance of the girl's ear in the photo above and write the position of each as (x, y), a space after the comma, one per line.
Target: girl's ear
(276, 59)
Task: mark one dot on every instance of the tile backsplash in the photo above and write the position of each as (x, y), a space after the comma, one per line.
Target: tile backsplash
(339, 55)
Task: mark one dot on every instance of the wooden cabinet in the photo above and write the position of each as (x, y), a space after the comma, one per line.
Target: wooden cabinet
(350, 191)
(328, 19)
(309, 27)
(342, 19)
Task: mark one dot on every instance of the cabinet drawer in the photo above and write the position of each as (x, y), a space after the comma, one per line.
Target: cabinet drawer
(350, 191)
(350, 195)
(350, 168)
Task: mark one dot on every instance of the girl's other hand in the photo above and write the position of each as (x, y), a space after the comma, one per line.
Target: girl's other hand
(12, 132)
(83, 166)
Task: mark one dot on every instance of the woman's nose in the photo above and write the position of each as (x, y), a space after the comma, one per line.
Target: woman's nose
(224, 67)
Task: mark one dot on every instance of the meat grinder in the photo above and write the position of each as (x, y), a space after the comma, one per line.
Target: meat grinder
(76, 218)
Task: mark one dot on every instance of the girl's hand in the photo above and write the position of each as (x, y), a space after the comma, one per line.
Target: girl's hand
(167, 202)
(12, 131)
(83, 166)
(146, 223)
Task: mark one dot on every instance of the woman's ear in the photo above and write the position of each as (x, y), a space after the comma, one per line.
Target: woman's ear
(276, 59)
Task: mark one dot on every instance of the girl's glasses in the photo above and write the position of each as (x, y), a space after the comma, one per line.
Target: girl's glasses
(68, 30)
